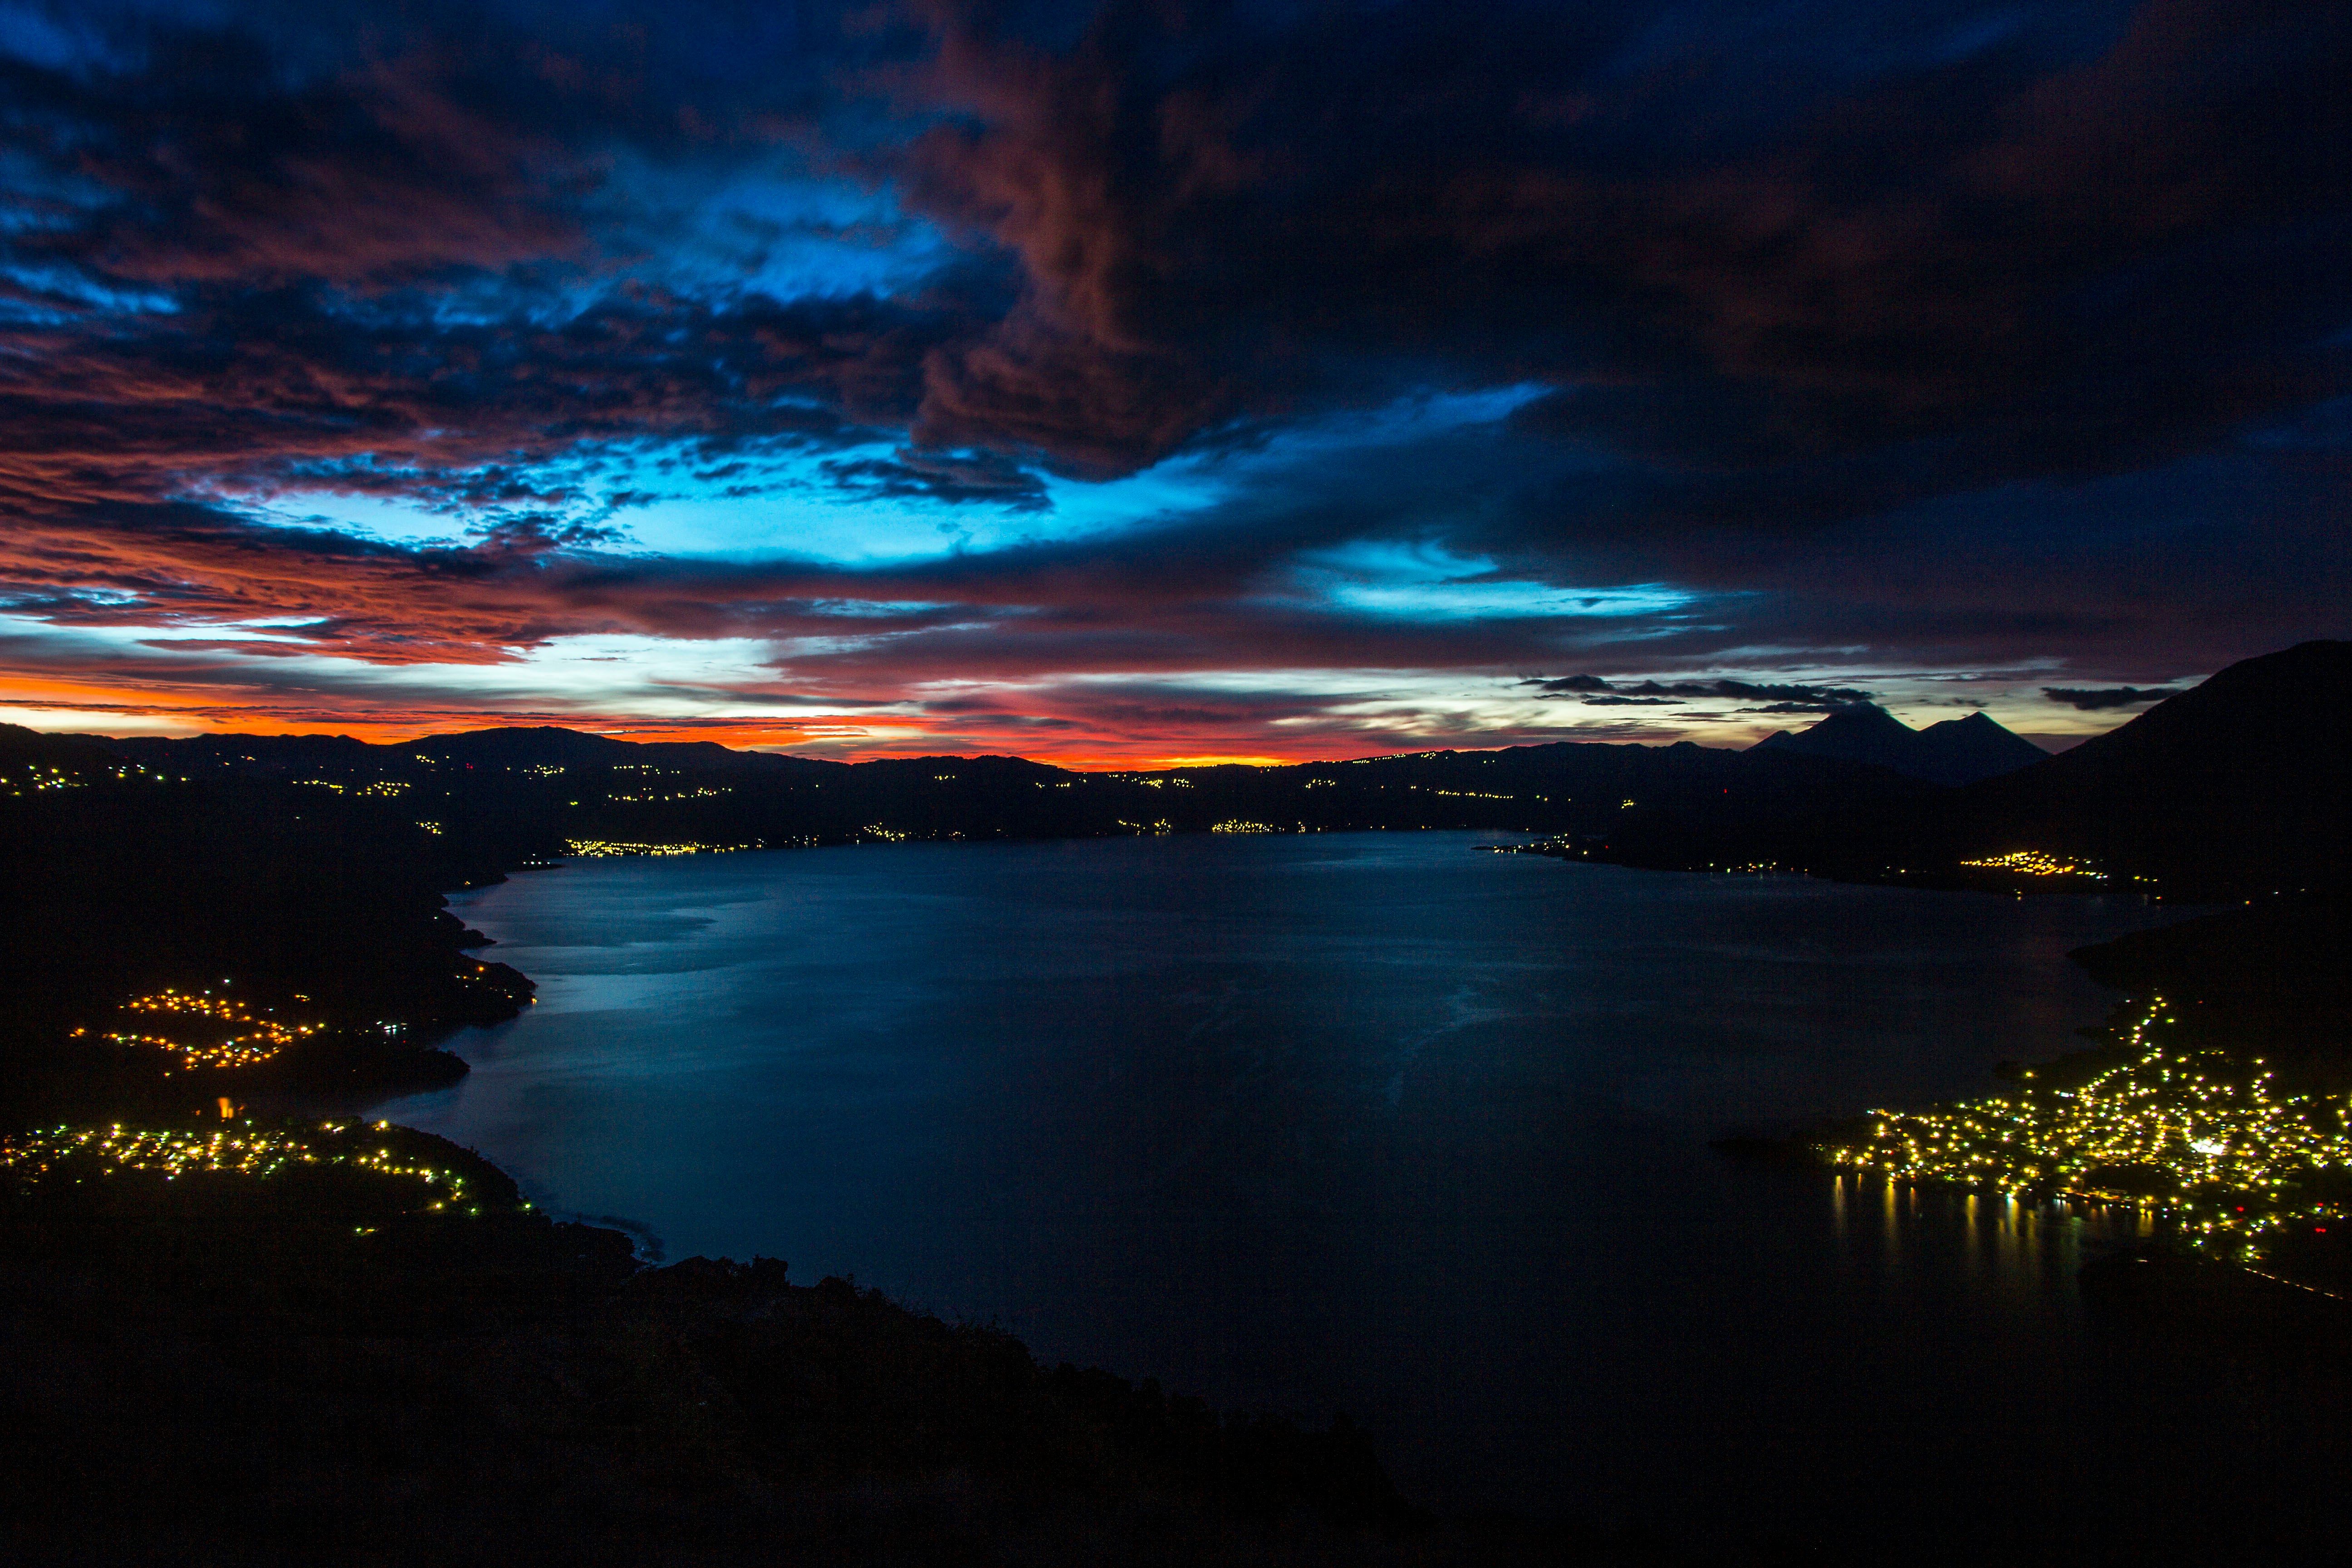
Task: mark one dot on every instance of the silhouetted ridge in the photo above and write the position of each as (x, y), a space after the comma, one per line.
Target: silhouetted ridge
(547, 745)
(1964, 750)
(2240, 782)
(2236, 787)
(1955, 751)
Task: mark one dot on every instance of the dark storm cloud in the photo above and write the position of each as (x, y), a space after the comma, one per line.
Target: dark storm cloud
(268, 142)
(411, 250)
(103, 438)
(942, 476)
(1828, 695)
(273, 388)
(2093, 701)
(981, 720)
(1787, 268)
(1795, 267)
(1825, 699)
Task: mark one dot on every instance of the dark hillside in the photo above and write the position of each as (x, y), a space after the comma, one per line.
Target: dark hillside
(2274, 968)
(508, 795)
(289, 902)
(2235, 787)
(334, 1361)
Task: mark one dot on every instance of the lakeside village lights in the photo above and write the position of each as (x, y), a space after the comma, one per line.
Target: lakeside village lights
(2198, 1133)
(256, 1040)
(65, 1151)
(598, 848)
(2038, 863)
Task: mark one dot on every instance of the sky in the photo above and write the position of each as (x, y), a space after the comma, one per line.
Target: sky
(1139, 384)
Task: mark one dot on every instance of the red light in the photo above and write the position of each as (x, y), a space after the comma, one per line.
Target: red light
(2320, 1228)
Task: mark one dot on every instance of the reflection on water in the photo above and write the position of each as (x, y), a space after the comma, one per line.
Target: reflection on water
(1368, 1123)
(2004, 1244)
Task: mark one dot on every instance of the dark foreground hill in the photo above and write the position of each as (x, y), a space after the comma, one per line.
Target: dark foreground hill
(340, 1363)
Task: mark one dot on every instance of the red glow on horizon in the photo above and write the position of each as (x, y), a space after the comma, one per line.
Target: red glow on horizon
(63, 709)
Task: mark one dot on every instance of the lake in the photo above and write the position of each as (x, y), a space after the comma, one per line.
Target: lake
(1363, 1122)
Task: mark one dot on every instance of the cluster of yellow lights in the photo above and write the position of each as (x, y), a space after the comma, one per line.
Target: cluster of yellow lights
(236, 1150)
(1238, 825)
(2228, 1150)
(592, 848)
(2038, 863)
(697, 793)
(380, 787)
(37, 777)
(1155, 829)
(1473, 794)
(256, 1038)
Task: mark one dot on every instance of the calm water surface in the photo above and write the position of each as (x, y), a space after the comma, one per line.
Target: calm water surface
(1350, 1121)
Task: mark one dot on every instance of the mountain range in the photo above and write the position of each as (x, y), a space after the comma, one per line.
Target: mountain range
(2236, 787)
(1955, 752)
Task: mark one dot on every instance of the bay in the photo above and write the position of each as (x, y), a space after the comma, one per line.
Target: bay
(1371, 1123)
